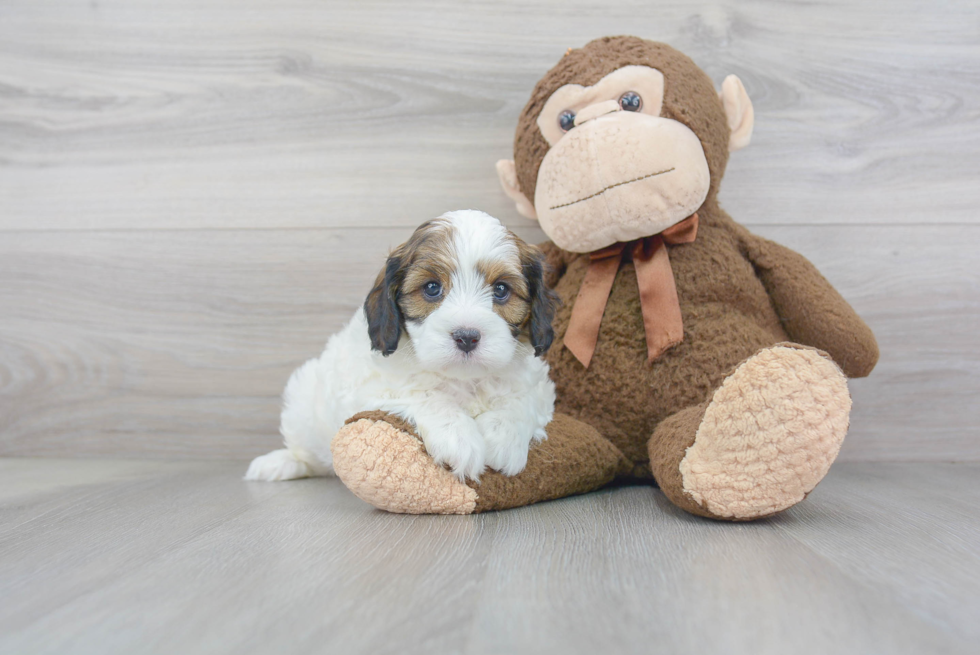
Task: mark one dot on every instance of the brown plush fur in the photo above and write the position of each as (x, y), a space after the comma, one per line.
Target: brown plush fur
(378, 415)
(729, 314)
(667, 448)
(573, 460)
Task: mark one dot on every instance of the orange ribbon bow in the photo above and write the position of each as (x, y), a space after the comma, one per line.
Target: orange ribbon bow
(658, 293)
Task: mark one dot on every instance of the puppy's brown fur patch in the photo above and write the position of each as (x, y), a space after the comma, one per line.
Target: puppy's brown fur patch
(427, 258)
(516, 309)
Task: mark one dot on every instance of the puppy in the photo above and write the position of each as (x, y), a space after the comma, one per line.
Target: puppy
(448, 339)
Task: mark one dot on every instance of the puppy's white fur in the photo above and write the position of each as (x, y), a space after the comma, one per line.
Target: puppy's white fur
(472, 410)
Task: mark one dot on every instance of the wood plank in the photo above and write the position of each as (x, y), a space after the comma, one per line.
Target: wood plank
(177, 344)
(94, 530)
(621, 570)
(905, 529)
(347, 114)
(315, 569)
(185, 557)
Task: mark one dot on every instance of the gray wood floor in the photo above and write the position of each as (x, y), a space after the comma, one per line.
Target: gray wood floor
(104, 556)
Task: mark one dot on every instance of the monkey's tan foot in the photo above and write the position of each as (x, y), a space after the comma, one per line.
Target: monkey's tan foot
(762, 443)
(381, 460)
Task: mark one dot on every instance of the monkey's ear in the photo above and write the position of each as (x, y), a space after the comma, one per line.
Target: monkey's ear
(384, 318)
(738, 110)
(508, 180)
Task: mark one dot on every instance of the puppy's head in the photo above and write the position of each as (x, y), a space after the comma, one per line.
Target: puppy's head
(466, 291)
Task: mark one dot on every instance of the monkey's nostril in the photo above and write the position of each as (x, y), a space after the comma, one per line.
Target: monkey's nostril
(466, 339)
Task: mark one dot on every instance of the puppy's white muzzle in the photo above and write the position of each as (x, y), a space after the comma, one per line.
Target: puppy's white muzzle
(463, 339)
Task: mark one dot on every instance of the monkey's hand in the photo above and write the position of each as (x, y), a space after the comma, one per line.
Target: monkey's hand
(812, 312)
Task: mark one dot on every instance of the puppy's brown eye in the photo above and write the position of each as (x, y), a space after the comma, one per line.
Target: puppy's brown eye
(631, 101)
(432, 290)
(566, 120)
(501, 292)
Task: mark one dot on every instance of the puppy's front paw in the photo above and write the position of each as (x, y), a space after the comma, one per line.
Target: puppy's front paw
(507, 442)
(458, 445)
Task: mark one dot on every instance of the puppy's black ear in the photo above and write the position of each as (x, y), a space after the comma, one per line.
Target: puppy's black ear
(544, 301)
(384, 318)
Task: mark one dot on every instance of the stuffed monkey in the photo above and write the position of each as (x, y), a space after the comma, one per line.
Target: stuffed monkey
(688, 351)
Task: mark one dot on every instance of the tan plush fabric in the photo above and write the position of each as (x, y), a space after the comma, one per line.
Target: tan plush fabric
(507, 173)
(379, 458)
(583, 100)
(769, 434)
(620, 177)
(738, 109)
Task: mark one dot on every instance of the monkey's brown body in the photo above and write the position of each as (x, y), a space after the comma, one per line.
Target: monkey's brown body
(740, 419)
(728, 317)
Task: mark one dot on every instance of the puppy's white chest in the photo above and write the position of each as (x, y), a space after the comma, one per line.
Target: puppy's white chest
(475, 398)
(467, 397)
(476, 406)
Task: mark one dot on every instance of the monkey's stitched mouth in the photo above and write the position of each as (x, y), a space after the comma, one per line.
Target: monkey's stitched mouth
(612, 186)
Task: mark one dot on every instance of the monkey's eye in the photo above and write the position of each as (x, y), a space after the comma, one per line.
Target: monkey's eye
(631, 101)
(501, 292)
(566, 120)
(432, 290)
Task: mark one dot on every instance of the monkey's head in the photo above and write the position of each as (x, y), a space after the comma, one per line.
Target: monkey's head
(621, 140)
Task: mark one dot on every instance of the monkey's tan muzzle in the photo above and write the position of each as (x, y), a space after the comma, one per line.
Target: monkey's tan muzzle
(618, 177)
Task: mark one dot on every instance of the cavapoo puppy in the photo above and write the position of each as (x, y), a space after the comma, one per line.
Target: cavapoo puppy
(448, 339)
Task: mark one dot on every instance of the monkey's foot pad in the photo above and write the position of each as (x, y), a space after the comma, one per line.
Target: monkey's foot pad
(379, 458)
(769, 435)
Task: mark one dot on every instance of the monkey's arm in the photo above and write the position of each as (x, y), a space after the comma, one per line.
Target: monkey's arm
(556, 260)
(812, 312)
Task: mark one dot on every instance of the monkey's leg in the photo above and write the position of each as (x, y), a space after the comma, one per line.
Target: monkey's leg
(762, 442)
(383, 462)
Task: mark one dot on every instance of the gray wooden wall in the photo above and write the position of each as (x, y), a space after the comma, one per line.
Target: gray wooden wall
(195, 193)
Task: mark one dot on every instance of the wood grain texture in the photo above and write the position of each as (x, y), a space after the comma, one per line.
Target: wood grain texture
(178, 344)
(193, 195)
(164, 557)
(349, 113)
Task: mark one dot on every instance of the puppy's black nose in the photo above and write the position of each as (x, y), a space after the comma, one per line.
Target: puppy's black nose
(466, 339)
